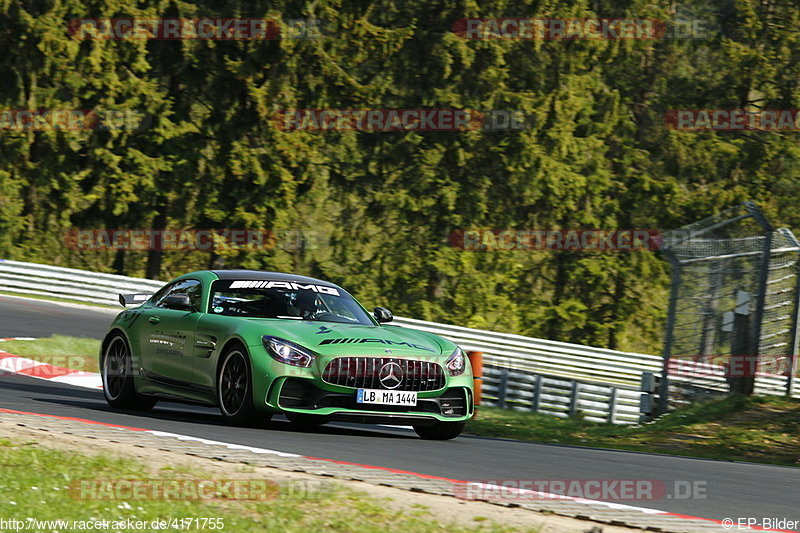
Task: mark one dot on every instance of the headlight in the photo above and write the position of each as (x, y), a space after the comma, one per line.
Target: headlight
(455, 363)
(287, 352)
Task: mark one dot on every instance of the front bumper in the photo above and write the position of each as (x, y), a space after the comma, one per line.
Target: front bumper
(453, 404)
(303, 390)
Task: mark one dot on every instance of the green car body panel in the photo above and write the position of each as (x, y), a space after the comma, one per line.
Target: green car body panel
(176, 355)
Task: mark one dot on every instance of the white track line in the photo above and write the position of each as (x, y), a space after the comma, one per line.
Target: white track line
(228, 445)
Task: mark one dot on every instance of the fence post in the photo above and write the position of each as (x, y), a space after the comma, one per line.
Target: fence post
(793, 347)
(763, 284)
(476, 362)
(537, 392)
(663, 392)
(740, 379)
(573, 401)
(501, 391)
(612, 405)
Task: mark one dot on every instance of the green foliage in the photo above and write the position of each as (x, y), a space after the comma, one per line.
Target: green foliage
(596, 153)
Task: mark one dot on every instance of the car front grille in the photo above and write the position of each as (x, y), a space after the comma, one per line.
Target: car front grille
(364, 373)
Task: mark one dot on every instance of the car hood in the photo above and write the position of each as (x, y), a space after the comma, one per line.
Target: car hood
(329, 338)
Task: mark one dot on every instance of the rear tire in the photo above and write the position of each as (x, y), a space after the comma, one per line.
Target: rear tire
(116, 371)
(303, 420)
(440, 430)
(235, 389)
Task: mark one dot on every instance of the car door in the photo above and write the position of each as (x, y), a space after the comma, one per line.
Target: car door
(167, 336)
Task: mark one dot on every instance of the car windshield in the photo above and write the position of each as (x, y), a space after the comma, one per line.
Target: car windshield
(286, 300)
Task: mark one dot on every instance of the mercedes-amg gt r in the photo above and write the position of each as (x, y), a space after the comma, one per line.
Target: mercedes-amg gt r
(258, 343)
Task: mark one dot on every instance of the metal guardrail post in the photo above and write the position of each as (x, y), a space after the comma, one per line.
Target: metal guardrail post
(573, 400)
(501, 388)
(537, 393)
(612, 405)
(647, 402)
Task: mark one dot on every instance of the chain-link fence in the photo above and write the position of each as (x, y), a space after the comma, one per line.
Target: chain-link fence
(733, 305)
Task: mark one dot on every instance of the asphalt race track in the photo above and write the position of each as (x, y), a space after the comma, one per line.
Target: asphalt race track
(39, 318)
(733, 489)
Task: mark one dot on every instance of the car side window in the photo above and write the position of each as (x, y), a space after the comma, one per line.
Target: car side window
(192, 287)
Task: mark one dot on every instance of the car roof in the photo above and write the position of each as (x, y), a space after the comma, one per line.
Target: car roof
(249, 275)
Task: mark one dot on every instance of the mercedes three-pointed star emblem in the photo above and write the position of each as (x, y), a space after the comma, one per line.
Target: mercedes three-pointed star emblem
(391, 375)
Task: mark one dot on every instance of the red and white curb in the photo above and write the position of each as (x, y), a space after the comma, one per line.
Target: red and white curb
(22, 366)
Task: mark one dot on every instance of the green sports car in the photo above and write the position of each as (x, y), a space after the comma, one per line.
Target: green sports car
(259, 343)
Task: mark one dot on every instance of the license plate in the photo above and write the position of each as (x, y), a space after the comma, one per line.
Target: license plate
(386, 397)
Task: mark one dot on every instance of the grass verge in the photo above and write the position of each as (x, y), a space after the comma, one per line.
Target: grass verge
(78, 353)
(36, 482)
(758, 428)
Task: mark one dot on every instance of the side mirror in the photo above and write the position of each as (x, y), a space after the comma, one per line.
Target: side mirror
(179, 302)
(382, 314)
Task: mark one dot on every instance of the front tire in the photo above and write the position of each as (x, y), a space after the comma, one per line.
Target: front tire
(234, 388)
(117, 374)
(440, 430)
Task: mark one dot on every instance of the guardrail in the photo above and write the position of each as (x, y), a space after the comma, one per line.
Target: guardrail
(69, 283)
(554, 395)
(552, 358)
(521, 372)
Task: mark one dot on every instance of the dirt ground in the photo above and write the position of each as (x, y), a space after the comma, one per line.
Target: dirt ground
(444, 508)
